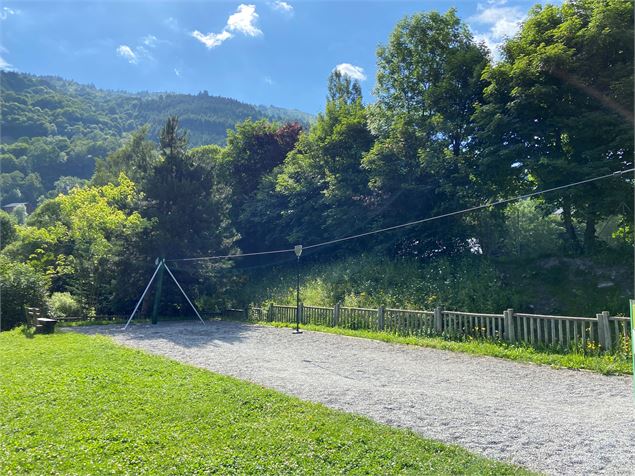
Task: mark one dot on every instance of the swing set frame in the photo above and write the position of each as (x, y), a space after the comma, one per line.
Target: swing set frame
(161, 265)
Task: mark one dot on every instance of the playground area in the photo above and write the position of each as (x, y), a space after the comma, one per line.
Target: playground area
(549, 420)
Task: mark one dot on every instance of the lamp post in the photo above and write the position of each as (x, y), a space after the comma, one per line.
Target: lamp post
(298, 252)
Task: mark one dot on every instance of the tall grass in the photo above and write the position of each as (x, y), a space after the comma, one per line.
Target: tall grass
(470, 282)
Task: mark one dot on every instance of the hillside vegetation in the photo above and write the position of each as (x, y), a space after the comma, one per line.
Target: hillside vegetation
(547, 285)
(450, 130)
(54, 130)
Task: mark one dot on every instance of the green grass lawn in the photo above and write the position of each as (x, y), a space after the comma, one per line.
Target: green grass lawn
(76, 404)
(607, 364)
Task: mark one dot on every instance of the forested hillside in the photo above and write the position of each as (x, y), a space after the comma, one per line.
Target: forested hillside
(53, 130)
(450, 130)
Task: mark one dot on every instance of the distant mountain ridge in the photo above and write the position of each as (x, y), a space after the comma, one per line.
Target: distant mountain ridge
(65, 104)
(53, 128)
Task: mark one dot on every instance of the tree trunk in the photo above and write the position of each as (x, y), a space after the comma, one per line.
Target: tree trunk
(456, 146)
(568, 226)
(589, 236)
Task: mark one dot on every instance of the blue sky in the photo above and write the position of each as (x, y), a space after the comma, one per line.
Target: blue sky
(273, 52)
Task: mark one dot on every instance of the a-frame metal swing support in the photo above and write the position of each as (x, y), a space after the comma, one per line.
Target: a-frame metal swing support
(161, 265)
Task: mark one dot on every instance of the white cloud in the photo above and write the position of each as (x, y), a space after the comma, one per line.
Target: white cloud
(501, 22)
(268, 80)
(143, 53)
(283, 7)
(244, 20)
(4, 64)
(172, 23)
(150, 40)
(489, 42)
(126, 52)
(211, 40)
(505, 28)
(177, 72)
(354, 72)
(6, 12)
(134, 55)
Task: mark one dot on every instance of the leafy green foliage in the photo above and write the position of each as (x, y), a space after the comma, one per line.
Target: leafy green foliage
(7, 229)
(76, 238)
(529, 233)
(136, 412)
(135, 158)
(20, 214)
(428, 82)
(448, 131)
(556, 110)
(63, 305)
(322, 176)
(187, 202)
(20, 286)
(466, 283)
(53, 128)
(188, 206)
(529, 277)
(252, 154)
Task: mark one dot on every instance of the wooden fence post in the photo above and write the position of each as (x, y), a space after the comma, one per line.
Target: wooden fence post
(336, 314)
(380, 318)
(438, 320)
(270, 313)
(510, 329)
(246, 311)
(604, 330)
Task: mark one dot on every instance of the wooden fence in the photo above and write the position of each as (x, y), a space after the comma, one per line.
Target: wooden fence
(603, 331)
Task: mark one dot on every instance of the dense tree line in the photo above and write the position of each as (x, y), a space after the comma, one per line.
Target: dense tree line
(450, 129)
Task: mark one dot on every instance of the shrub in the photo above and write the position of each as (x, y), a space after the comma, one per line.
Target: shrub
(530, 233)
(63, 305)
(468, 282)
(7, 229)
(20, 285)
(20, 214)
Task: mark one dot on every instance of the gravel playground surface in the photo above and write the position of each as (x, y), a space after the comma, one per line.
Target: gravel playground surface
(548, 420)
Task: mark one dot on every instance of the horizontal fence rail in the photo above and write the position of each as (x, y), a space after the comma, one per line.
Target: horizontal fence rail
(602, 332)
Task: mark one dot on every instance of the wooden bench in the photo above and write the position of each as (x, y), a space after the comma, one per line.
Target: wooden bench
(35, 318)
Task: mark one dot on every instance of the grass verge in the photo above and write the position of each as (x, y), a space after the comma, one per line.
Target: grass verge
(76, 404)
(607, 364)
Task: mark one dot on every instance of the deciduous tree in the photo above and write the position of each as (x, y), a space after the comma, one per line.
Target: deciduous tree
(559, 108)
(428, 82)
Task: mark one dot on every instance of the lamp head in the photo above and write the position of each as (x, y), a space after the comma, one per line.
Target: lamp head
(298, 250)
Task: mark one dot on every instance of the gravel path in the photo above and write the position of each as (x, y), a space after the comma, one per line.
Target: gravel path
(553, 421)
